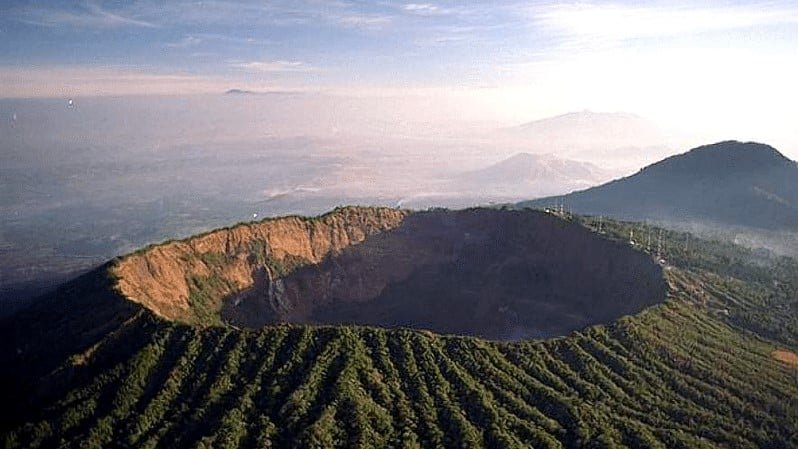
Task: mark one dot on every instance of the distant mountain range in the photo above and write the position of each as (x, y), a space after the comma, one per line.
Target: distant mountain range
(533, 175)
(606, 138)
(590, 129)
(729, 183)
(255, 92)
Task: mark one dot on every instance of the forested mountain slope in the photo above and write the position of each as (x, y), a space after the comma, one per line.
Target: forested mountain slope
(699, 370)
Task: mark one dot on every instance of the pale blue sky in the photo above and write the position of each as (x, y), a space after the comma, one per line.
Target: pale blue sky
(306, 43)
(672, 61)
(381, 43)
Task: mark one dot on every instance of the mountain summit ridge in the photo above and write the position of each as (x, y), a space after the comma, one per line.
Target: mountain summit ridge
(727, 155)
(710, 183)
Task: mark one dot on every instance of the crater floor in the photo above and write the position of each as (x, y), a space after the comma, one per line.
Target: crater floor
(489, 273)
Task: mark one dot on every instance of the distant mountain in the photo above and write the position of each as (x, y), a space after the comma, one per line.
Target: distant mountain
(625, 139)
(255, 92)
(590, 129)
(731, 183)
(238, 92)
(533, 175)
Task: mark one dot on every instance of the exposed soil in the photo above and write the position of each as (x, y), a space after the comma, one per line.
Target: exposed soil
(785, 356)
(161, 277)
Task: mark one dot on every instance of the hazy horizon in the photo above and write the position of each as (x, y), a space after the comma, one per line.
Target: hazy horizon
(116, 129)
(703, 73)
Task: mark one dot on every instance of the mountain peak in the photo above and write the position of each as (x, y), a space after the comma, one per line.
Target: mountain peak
(725, 158)
(730, 183)
(585, 117)
(618, 139)
(735, 148)
(524, 157)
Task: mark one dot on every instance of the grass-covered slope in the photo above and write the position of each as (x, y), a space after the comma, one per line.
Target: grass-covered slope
(695, 372)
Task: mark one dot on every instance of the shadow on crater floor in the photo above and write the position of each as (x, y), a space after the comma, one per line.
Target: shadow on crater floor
(490, 273)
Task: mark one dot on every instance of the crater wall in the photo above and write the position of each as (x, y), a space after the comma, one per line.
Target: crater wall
(162, 277)
(492, 273)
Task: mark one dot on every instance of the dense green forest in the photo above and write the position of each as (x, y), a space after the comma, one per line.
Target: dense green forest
(694, 372)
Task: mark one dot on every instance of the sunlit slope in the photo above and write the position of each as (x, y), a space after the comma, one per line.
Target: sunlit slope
(697, 371)
(189, 280)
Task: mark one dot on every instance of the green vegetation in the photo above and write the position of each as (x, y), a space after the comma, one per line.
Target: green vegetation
(207, 293)
(694, 372)
(764, 287)
(214, 260)
(259, 250)
(205, 299)
(282, 267)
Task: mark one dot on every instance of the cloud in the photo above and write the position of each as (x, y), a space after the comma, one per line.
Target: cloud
(284, 13)
(590, 22)
(77, 81)
(187, 41)
(89, 15)
(368, 21)
(156, 13)
(439, 41)
(275, 66)
(281, 13)
(423, 9)
(442, 35)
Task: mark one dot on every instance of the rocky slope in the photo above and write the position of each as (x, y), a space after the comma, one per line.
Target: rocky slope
(160, 277)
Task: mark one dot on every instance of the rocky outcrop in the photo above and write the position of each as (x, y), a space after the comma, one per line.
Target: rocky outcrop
(160, 277)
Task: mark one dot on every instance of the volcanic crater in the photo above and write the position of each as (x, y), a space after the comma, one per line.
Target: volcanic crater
(493, 273)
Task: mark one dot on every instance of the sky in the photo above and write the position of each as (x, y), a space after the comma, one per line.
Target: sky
(716, 69)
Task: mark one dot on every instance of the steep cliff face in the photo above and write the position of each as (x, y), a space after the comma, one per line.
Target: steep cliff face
(176, 279)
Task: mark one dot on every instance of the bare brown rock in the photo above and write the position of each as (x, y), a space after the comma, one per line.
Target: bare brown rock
(159, 277)
(788, 357)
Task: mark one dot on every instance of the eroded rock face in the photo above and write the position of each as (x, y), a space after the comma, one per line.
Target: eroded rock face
(491, 273)
(161, 277)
